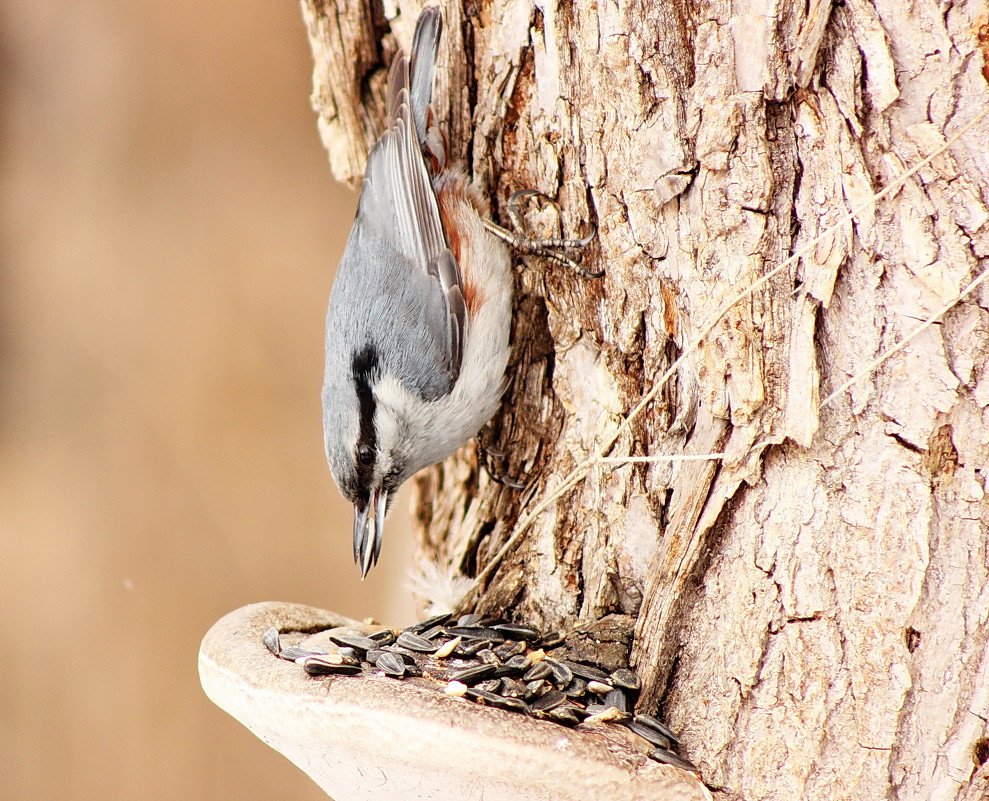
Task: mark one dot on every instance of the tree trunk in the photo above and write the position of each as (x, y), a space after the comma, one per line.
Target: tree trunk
(810, 609)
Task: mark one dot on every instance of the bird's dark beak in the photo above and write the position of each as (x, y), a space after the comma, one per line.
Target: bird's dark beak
(369, 524)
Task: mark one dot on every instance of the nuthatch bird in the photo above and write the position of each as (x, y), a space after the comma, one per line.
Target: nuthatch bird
(419, 317)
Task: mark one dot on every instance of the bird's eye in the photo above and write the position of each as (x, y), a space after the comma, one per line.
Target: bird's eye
(365, 454)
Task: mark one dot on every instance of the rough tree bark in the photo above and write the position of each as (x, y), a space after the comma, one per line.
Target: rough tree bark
(810, 610)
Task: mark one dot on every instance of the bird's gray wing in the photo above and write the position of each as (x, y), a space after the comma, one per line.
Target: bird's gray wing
(398, 205)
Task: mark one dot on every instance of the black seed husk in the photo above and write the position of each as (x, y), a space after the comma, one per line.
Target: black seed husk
(293, 652)
(414, 642)
(562, 674)
(540, 670)
(272, 641)
(475, 633)
(509, 649)
(473, 674)
(511, 688)
(489, 685)
(536, 688)
(515, 666)
(649, 733)
(657, 725)
(320, 666)
(469, 620)
(510, 703)
(564, 715)
(515, 631)
(576, 688)
(433, 633)
(428, 623)
(548, 700)
(409, 657)
(618, 700)
(626, 679)
(552, 640)
(391, 663)
(484, 695)
(488, 657)
(383, 637)
(668, 757)
(355, 641)
(586, 671)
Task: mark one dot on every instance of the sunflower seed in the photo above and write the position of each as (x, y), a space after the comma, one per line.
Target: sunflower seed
(586, 671)
(669, 758)
(470, 648)
(509, 649)
(650, 734)
(489, 685)
(510, 703)
(514, 631)
(511, 688)
(447, 648)
(488, 657)
(428, 623)
(383, 637)
(626, 679)
(540, 670)
(576, 688)
(350, 653)
(562, 674)
(517, 664)
(481, 695)
(355, 641)
(326, 665)
(293, 653)
(564, 715)
(474, 674)
(618, 700)
(476, 633)
(536, 688)
(497, 701)
(599, 687)
(469, 620)
(433, 633)
(272, 641)
(552, 640)
(548, 700)
(656, 725)
(391, 663)
(415, 643)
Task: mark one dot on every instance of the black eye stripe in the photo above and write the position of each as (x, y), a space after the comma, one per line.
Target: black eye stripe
(364, 369)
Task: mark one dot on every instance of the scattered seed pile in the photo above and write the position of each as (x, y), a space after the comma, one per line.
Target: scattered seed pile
(493, 662)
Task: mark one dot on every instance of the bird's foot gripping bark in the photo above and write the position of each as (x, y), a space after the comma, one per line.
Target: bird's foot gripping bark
(551, 248)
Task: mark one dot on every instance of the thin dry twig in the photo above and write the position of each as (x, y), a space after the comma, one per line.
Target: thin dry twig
(906, 340)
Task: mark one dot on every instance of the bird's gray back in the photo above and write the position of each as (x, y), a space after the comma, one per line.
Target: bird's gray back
(383, 300)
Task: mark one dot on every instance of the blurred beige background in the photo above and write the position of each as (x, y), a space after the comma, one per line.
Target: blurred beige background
(169, 232)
